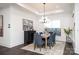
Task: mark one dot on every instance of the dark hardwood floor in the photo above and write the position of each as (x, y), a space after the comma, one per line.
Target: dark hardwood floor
(68, 50)
(18, 51)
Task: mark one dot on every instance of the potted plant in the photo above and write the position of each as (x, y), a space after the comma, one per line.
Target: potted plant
(68, 32)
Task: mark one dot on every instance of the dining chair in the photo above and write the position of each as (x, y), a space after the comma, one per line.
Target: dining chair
(38, 41)
(41, 33)
(54, 38)
(51, 40)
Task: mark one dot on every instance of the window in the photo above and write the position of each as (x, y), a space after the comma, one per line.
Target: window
(53, 24)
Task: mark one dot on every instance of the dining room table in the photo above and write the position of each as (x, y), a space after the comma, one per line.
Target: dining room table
(45, 36)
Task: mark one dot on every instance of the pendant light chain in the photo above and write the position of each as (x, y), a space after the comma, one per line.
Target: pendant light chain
(44, 12)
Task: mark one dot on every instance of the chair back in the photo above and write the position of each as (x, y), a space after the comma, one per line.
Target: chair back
(41, 33)
(38, 39)
(51, 38)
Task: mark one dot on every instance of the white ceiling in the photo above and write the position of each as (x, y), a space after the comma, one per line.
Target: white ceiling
(3, 5)
(38, 8)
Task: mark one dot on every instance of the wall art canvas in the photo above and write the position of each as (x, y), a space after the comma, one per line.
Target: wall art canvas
(1, 25)
(27, 25)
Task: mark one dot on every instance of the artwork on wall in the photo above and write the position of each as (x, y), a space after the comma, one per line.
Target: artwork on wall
(56, 30)
(1, 25)
(27, 25)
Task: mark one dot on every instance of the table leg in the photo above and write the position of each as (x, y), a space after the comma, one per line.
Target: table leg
(46, 43)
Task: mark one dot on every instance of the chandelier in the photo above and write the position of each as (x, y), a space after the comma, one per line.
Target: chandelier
(44, 19)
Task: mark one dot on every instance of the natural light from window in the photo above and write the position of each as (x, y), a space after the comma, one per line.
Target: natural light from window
(53, 24)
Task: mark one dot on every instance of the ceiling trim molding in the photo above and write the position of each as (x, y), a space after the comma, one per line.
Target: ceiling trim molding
(28, 8)
(53, 12)
(36, 12)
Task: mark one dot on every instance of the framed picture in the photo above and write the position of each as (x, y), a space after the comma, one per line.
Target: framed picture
(27, 25)
(1, 25)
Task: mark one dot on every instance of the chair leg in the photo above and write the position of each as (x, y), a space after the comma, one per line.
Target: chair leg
(54, 42)
(34, 46)
(40, 48)
(50, 46)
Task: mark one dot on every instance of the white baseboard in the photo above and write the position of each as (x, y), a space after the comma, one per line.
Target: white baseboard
(16, 44)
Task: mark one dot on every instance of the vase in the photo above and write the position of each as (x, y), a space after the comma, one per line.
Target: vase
(68, 39)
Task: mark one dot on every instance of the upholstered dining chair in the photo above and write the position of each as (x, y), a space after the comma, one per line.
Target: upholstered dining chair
(38, 41)
(51, 40)
(54, 38)
(41, 33)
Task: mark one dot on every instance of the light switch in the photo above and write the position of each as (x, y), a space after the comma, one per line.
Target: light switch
(9, 26)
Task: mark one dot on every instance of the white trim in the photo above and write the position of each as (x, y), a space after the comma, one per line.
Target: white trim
(38, 13)
(28, 8)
